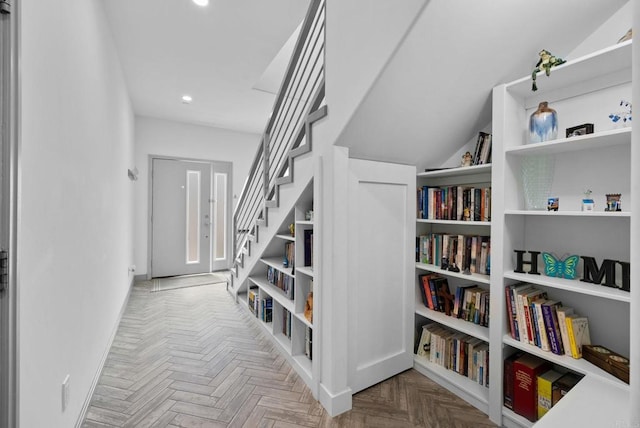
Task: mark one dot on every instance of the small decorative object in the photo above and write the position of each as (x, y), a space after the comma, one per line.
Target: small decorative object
(537, 178)
(587, 202)
(543, 124)
(553, 204)
(627, 36)
(309, 215)
(444, 264)
(607, 360)
(584, 129)
(285, 261)
(446, 296)
(467, 159)
(546, 61)
(565, 268)
(613, 202)
(292, 229)
(308, 307)
(625, 115)
(453, 268)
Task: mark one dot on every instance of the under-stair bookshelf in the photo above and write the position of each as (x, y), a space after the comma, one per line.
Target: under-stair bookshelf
(448, 232)
(280, 288)
(582, 91)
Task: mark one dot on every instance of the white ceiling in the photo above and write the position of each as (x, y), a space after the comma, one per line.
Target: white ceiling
(224, 55)
(434, 95)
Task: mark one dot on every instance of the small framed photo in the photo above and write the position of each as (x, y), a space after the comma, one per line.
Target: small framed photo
(584, 129)
(553, 204)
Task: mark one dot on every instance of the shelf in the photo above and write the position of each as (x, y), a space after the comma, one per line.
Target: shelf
(462, 384)
(474, 277)
(457, 324)
(457, 172)
(306, 270)
(300, 317)
(598, 140)
(578, 365)
(600, 64)
(591, 403)
(304, 222)
(275, 293)
(454, 222)
(575, 286)
(586, 214)
(284, 341)
(304, 363)
(286, 237)
(276, 263)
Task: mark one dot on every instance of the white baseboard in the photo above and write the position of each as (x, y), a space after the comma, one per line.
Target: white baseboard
(335, 404)
(94, 383)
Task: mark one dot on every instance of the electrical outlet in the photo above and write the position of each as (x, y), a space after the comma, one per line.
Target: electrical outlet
(65, 393)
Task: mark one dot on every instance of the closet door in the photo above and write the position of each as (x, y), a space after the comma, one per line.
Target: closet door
(381, 240)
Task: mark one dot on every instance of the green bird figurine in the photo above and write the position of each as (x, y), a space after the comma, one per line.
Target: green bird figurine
(546, 61)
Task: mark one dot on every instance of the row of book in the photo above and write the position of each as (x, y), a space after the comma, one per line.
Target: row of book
(459, 352)
(470, 303)
(532, 386)
(286, 323)
(470, 254)
(308, 247)
(253, 301)
(289, 258)
(536, 319)
(482, 152)
(308, 343)
(266, 309)
(454, 203)
(281, 280)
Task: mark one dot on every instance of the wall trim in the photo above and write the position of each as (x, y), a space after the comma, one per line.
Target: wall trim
(335, 404)
(94, 383)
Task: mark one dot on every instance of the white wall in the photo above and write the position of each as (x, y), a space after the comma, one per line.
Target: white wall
(76, 205)
(166, 138)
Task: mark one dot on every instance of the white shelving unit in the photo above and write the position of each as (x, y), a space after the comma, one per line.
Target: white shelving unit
(473, 176)
(295, 345)
(584, 90)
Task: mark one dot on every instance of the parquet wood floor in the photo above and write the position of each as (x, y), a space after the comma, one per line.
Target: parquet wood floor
(193, 358)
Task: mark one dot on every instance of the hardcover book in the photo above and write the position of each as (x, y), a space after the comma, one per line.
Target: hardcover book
(546, 385)
(525, 387)
(508, 379)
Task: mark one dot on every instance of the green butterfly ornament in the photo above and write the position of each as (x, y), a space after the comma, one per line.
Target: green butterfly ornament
(567, 268)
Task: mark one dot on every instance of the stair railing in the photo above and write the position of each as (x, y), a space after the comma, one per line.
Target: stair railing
(301, 93)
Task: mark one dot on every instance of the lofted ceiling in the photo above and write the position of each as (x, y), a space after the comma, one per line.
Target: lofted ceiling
(434, 94)
(230, 56)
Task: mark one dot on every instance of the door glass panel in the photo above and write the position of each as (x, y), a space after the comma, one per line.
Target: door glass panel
(193, 216)
(220, 196)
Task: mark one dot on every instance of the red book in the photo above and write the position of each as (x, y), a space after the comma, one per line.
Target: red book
(508, 379)
(525, 385)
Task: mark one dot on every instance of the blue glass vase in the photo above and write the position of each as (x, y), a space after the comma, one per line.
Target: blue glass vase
(543, 124)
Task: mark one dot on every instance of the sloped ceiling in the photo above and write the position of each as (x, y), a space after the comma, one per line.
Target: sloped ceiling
(434, 94)
(217, 54)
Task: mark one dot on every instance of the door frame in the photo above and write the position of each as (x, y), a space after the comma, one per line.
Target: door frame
(150, 160)
(9, 181)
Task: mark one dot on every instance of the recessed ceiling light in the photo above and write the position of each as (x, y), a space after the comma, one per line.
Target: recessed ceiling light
(202, 3)
(187, 99)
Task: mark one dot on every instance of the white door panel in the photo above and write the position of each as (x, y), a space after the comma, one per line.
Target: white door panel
(381, 237)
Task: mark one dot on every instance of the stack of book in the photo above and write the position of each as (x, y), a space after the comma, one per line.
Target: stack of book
(461, 203)
(459, 352)
(281, 280)
(266, 309)
(532, 386)
(536, 319)
(462, 251)
(470, 303)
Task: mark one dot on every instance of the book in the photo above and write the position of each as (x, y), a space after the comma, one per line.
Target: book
(550, 315)
(541, 331)
(308, 247)
(507, 380)
(533, 294)
(578, 332)
(564, 385)
(520, 313)
(546, 385)
(564, 334)
(525, 387)
(424, 347)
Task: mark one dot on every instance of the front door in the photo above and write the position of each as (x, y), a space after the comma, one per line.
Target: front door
(181, 217)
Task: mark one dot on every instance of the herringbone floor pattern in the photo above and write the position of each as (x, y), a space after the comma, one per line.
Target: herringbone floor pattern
(193, 358)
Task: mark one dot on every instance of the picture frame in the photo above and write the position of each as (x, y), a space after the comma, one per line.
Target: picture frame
(584, 129)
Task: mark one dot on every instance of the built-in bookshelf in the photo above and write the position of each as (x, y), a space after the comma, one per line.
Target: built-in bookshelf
(282, 283)
(448, 237)
(584, 90)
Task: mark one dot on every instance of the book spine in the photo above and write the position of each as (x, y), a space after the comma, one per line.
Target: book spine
(572, 338)
(544, 338)
(552, 329)
(564, 333)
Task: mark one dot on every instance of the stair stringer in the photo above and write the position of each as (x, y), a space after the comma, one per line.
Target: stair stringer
(288, 196)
